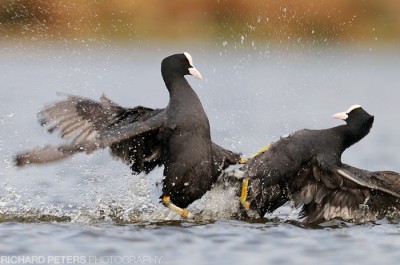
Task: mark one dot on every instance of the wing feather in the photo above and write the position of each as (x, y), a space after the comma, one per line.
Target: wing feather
(89, 125)
(346, 193)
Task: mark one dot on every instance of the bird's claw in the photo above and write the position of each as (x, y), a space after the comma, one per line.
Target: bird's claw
(243, 160)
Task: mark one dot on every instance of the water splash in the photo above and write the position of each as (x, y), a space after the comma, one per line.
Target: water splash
(135, 204)
(132, 205)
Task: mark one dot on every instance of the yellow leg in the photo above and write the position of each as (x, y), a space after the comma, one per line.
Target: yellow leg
(244, 160)
(243, 196)
(183, 212)
(245, 183)
(261, 151)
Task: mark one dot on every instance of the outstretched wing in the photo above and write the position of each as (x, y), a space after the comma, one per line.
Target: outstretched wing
(346, 193)
(131, 133)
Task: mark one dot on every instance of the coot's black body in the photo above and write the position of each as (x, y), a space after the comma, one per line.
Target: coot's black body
(186, 139)
(306, 167)
(177, 136)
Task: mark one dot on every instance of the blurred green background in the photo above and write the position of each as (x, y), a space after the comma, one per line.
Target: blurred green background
(300, 22)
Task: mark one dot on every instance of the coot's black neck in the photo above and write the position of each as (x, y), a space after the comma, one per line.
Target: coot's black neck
(178, 86)
(350, 134)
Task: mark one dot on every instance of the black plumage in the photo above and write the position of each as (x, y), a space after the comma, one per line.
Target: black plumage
(177, 136)
(306, 167)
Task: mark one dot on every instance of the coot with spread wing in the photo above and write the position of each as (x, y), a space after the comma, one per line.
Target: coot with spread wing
(306, 167)
(177, 136)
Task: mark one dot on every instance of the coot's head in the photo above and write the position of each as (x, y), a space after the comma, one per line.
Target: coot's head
(357, 117)
(178, 65)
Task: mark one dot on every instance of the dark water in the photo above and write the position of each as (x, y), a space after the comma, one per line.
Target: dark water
(91, 209)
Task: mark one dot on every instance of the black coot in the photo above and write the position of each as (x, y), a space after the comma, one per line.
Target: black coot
(177, 136)
(306, 167)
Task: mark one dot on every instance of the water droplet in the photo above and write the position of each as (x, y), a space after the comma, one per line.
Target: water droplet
(186, 184)
(173, 184)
